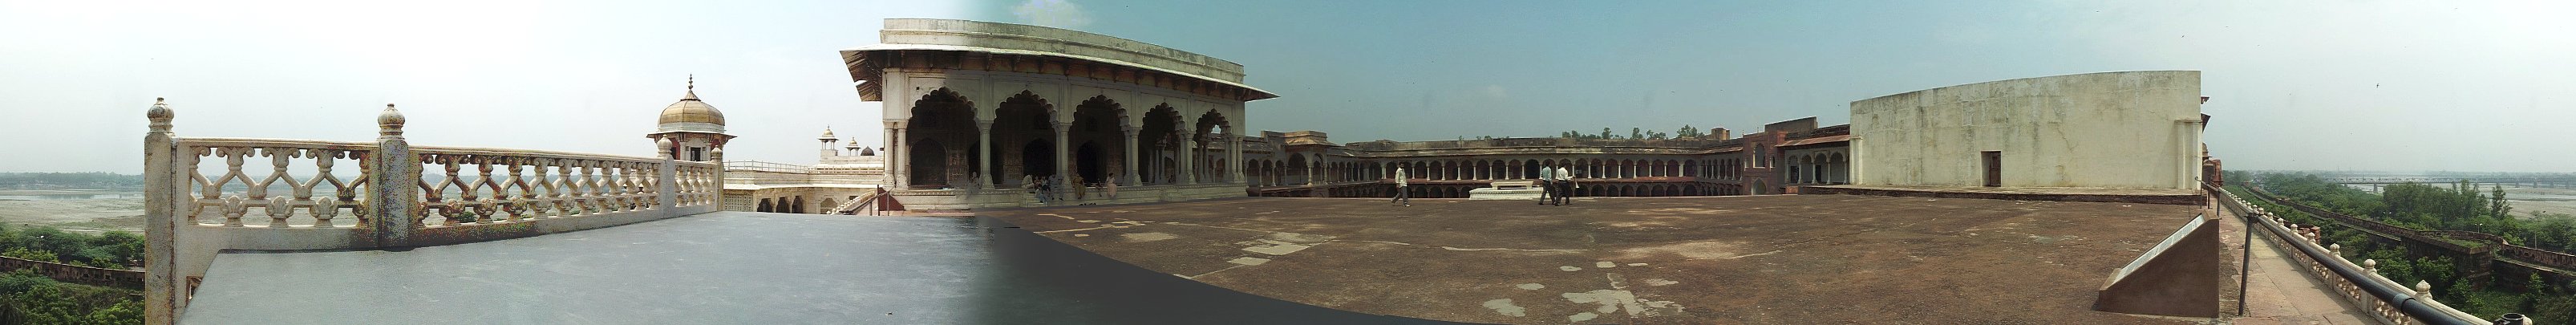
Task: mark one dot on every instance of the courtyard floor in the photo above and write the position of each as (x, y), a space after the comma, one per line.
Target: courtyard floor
(1724, 260)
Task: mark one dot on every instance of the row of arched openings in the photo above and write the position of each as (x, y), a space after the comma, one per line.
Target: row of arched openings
(944, 143)
(793, 204)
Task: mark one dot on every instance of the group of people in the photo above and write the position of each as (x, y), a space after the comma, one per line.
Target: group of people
(1554, 184)
(1047, 193)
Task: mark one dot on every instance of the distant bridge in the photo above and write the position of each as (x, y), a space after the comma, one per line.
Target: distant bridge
(2537, 181)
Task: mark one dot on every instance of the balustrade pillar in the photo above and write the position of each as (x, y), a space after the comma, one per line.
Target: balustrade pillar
(161, 195)
(392, 194)
(665, 187)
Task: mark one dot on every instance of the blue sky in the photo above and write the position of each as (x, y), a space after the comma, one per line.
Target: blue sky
(2392, 85)
(2295, 84)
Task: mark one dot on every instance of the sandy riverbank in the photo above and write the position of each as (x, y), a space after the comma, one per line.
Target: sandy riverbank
(2528, 202)
(76, 214)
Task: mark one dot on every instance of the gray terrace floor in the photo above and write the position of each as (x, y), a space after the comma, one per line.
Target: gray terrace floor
(733, 268)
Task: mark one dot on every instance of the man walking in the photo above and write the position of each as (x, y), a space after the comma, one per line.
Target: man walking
(1546, 185)
(1400, 197)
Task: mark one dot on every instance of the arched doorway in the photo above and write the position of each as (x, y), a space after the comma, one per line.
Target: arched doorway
(1157, 142)
(929, 162)
(1089, 164)
(939, 119)
(764, 206)
(1099, 139)
(1037, 158)
(1025, 122)
(1297, 174)
(1212, 128)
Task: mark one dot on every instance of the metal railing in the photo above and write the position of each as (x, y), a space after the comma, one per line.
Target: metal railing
(2358, 283)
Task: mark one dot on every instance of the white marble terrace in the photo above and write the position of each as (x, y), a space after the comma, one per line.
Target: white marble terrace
(204, 195)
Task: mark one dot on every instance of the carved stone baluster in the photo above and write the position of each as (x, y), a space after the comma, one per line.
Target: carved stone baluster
(484, 210)
(279, 207)
(519, 202)
(234, 206)
(590, 179)
(449, 210)
(233, 170)
(560, 188)
(195, 205)
(627, 181)
(325, 207)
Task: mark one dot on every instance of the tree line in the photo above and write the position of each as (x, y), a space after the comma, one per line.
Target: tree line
(1686, 132)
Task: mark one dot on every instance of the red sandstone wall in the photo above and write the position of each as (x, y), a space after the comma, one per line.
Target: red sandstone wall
(77, 274)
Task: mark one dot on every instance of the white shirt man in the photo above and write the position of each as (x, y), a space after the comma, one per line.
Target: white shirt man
(1546, 185)
(1400, 183)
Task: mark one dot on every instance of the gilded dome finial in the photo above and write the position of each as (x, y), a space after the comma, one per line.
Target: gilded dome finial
(693, 88)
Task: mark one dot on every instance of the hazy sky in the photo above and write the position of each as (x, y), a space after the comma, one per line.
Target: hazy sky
(2363, 85)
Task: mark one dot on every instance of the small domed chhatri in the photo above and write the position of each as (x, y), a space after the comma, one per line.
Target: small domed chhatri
(691, 127)
(690, 114)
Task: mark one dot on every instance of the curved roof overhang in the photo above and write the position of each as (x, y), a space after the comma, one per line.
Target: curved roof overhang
(867, 72)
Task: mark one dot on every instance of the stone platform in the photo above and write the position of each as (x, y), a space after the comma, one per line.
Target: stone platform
(1780, 259)
(1508, 190)
(2067, 194)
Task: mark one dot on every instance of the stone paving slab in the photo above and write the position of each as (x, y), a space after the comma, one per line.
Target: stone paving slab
(1694, 260)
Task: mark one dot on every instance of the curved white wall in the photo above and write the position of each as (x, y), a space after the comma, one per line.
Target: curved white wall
(2135, 129)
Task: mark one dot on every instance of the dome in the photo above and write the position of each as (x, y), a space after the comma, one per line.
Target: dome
(691, 115)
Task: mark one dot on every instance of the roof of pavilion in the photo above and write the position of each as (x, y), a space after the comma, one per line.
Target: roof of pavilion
(902, 34)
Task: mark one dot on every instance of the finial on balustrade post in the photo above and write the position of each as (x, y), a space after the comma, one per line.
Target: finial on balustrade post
(160, 115)
(392, 199)
(716, 154)
(663, 146)
(2423, 290)
(390, 122)
(2370, 265)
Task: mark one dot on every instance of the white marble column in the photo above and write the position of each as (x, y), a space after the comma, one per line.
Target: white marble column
(984, 154)
(1234, 158)
(897, 166)
(1063, 162)
(1129, 178)
(1309, 170)
(1185, 150)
